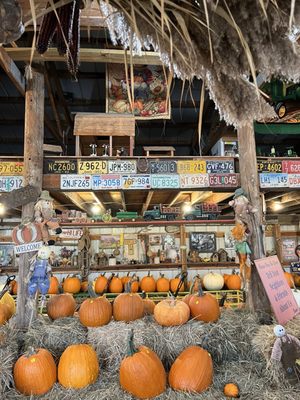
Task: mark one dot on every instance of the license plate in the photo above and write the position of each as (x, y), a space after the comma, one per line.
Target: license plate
(220, 180)
(122, 166)
(9, 183)
(291, 166)
(269, 166)
(294, 180)
(74, 182)
(194, 181)
(220, 167)
(163, 167)
(11, 168)
(60, 166)
(273, 180)
(92, 167)
(191, 167)
(102, 182)
(136, 182)
(165, 181)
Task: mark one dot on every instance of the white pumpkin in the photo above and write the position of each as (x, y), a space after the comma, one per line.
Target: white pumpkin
(296, 294)
(213, 281)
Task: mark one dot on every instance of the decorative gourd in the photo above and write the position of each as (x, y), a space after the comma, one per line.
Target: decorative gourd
(148, 304)
(128, 306)
(101, 284)
(171, 312)
(78, 366)
(126, 279)
(35, 372)
(174, 284)
(204, 307)
(231, 390)
(61, 305)
(5, 313)
(289, 278)
(296, 280)
(162, 284)
(141, 372)
(8, 299)
(148, 283)
(84, 286)
(54, 285)
(72, 284)
(96, 311)
(14, 287)
(115, 284)
(135, 284)
(234, 282)
(192, 371)
(213, 281)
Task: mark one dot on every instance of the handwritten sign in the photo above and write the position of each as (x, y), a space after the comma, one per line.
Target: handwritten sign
(278, 291)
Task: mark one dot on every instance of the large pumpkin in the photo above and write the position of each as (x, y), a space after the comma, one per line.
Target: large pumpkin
(148, 283)
(78, 366)
(72, 284)
(171, 312)
(95, 312)
(296, 280)
(174, 284)
(101, 284)
(61, 305)
(213, 281)
(54, 285)
(233, 281)
(35, 372)
(115, 284)
(8, 299)
(5, 313)
(142, 373)
(162, 284)
(128, 306)
(192, 371)
(204, 307)
(289, 278)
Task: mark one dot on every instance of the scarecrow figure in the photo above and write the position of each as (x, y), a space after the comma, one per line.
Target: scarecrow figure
(44, 216)
(242, 207)
(242, 249)
(286, 350)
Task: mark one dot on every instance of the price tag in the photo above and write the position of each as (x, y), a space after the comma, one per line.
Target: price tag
(194, 181)
(9, 183)
(74, 182)
(220, 167)
(165, 181)
(10, 168)
(269, 166)
(60, 166)
(109, 182)
(92, 167)
(191, 167)
(163, 167)
(273, 180)
(291, 166)
(136, 182)
(220, 180)
(122, 166)
(294, 180)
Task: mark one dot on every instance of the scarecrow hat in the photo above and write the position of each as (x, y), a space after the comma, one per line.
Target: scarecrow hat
(45, 196)
(239, 192)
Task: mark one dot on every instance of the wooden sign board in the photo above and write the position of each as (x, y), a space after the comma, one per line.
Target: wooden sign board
(278, 291)
(28, 247)
(20, 197)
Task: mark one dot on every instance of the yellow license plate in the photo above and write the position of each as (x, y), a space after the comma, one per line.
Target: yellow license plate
(11, 168)
(92, 167)
(191, 167)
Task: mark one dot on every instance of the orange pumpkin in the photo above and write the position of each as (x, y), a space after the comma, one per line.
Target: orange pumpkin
(234, 282)
(142, 373)
(225, 277)
(296, 279)
(192, 371)
(204, 307)
(8, 299)
(126, 279)
(289, 278)
(148, 304)
(231, 390)
(148, 283)
(115, 284)
(171, 312)
(14, 287)
(61, 305)
(162, 284)
(186, 299)
(174, 284)
(101, 284)
(135, 284)
(35, 372)
(84, 286)
(128, 306)
(5, 313)
(72, 284)
(54, 285)
(96, 311)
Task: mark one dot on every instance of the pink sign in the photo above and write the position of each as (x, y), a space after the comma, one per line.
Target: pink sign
(279, 293)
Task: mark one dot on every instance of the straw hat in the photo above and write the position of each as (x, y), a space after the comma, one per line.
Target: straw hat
(45, 196)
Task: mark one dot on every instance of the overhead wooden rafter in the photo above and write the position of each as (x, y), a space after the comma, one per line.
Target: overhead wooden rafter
(147, 201)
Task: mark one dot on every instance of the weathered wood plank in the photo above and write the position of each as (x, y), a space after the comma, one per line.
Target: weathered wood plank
(99, 124)
(12, 71)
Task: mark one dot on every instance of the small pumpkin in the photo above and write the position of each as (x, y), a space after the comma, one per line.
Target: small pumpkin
(96, 311)
(115, 284)
(5, 313)
(135, 284)
(171, 312)
(72, 284)
(141, 372)
(204, 307)
(162, 284)
(35, 372)
(78, 366)
(234, 282)
(231, 390)
(128, 306)
(186, 299)
(289, 278)
(296, 280)
(148, 283)
(213, 281)
(174, 284)
(54, 285)
(61, 305)
(84, 286)
(101, 284)
(14, 287)
(126, 279)
(148, 304)
(192, 371)
(9, 300)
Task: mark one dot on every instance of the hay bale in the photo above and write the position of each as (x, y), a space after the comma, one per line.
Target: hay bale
(8, 355)
(55, 336)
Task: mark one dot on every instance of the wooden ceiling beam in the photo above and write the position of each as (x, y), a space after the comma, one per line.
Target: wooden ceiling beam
(53, 104)
(123, 200)
(77, 200)
(147, 201)
(12, 71)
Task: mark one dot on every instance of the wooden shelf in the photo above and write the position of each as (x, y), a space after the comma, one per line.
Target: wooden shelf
(212, 265)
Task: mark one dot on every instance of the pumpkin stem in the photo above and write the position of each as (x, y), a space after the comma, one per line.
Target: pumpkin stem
(91, 291)
(131, 350)
(30, 351)
(148, 273)
(161, 275)
(143, 294)
(128, 287)
(200, 291)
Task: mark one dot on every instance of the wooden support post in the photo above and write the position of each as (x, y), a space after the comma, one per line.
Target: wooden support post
(33, 175)
(278, 242)
(259, 301)
(183, 254)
